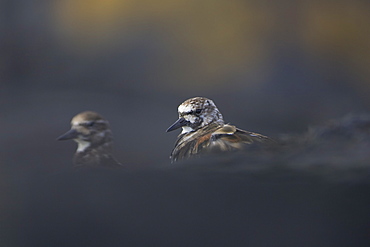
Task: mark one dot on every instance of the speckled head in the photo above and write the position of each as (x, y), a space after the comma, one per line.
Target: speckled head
(196, 113)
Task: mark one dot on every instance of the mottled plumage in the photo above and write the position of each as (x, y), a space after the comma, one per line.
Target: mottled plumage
(94, 138)
(204, 130)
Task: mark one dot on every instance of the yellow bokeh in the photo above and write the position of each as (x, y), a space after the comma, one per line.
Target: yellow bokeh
(214, 38)
(341, 31)
(210, 38)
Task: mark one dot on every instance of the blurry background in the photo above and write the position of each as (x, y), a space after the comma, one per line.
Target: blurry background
(271, 67)
(274, 67)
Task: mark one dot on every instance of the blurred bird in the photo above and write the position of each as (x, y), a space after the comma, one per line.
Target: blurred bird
(94, 138)
(204, 130)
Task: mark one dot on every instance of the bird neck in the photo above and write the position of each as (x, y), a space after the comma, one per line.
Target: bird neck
(94, 151)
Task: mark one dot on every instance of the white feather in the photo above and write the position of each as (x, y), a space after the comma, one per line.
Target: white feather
(82, 145)
(186, 129)
(185, 108)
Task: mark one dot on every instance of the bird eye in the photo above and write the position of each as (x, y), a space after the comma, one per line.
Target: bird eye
(89, 124)
(197, 111)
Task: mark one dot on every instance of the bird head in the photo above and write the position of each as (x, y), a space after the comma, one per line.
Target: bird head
(87, 129)
(196, 113)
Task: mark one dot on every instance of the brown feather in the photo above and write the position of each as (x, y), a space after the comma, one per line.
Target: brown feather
(92, 130)
(204, 131)
(215, 138)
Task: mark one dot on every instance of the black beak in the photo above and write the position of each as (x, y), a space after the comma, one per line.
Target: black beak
(179, 123)
(71, 134)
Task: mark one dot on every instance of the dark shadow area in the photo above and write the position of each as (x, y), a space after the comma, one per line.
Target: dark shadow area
(311, 191)
(189, 208)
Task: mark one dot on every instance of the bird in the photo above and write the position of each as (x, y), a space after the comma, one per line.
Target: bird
(95, 142)
(204, 131)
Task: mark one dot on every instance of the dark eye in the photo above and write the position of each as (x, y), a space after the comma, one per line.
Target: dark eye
(198, 111)
(89, 124)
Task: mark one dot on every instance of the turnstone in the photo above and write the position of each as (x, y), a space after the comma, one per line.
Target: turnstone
(95, 143)
(204, 130)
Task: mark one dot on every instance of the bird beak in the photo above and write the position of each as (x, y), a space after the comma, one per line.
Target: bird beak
(71, 134)
(179, 123)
